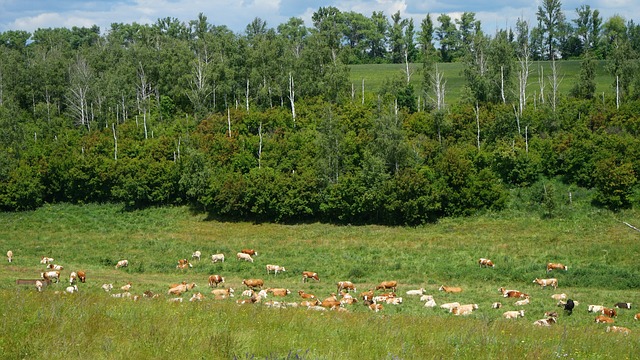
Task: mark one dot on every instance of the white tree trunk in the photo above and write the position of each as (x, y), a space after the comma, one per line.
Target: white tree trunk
(292, 98)
(229, 121)
(260, 145)
(115, 142)
(477, 111)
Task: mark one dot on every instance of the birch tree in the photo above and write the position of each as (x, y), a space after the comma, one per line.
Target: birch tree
(81, 78)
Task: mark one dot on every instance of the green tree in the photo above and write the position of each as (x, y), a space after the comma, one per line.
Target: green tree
(585, 87)
(614, 183)
(552, 19)
(447, 36)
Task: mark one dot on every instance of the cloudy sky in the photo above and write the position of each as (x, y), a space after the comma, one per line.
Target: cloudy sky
(30, 15)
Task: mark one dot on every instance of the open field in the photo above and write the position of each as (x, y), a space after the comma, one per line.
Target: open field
(374, 76)
(599, 249)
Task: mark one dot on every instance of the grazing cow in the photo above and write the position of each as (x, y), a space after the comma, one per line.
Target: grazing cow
(305, 295)
(416, 292)
(245, 257)
(430, 303)
(279, 292)
(309, 275)
(486, 263)
(107, 287)
(556, 266)
(196, 255)
(619, 329)
(10, 256)
(568, 307)
(72, 289)
(46, 260)
(450, 289)
(346, 285)
(376, 307)
(513, 314)
(275, 269)
(55, 267)
(222, 293)
(215, 280)
(82, 276)
(623, 305)
(73, 277)
(39, 285)
(183, 264)
(604, 319)
(545, 322)
(450, 306)
(637, 316)
(393, 285)
(249, 252)
(496, 305)
(522, 302)
(595, 308)
(609, 312)
(553, 282)
(559, 296)
(126, 287)
(308, 303)
(197, 297)
(51, 275)
(253, 283)
(122, 263)
(217, 258)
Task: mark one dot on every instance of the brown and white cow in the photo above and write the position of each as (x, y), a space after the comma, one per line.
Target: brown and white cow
(51, 275)
(253, 283)
(73, 277)
(346, 285)
(515, 294)
(637, 316)
(275, 269)
(513, 314)
(10, 256)
(126, 287)
(604, 319)
(545, 322)
(450, 289)
(553, 282)
(595, 308)
(376, 307)
(214, 280)
(245, 257)
(609, 312)
(463, 309)
(122, 263)
(556, 266)
(523, 302)
(486, 263)
(222, 293)
(305, 295)
(183, 264)
(393, 285)
(308, 303)
(55, 267)
(279, 292)
(46, 260)
(310, 275)
(620, 329)
(249, 252)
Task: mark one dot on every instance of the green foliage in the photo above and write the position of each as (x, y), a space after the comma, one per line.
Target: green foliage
(614, 182)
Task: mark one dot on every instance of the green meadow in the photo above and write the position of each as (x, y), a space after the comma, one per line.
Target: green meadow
(374, 76)
(600, 250)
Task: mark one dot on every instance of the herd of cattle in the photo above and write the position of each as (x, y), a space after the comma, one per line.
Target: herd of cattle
(256, 293)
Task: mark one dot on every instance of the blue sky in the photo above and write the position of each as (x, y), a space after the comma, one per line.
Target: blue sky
(30, 15)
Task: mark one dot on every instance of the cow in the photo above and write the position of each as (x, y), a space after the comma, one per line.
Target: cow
(496, 305)
(73, 277)
(249, 252)
(82, 276)
(430, 303)
(416, 292)
(222, 293)
(55, 267)
(217, 258)
(463, 309)
(39, 285)
(619, 329)
(559, 296)
(197, 297)
(426, 297)
(504, 291)
(279, 292)
(551, 314)
(72, 289)
(46, 260)
(10, 256)
(622, 305)
(214, 280)
(316, 308)
(196, 255)
(545, 322)
(305, 295)
(51, 275)
(347, 299)
(609, 312)
(450, 289)
(309, 275)
(308, 303)
(331, 304)
(568, 307)
(126, 287)
(515, 294)
(595, 308)
(393, 285)
(245, 257)
(394, 300)
(522, 302)
(346, 285)
(183, 264)
(253, 283)
(450, 306)
(376, 307)
(553, 282)
(122, 263)
(275, 269)
(556, 266)
(367, 295)
(173, 300)
(107, 287)
(604, 319)
(486, 263)
(513, 314)
(637, 316)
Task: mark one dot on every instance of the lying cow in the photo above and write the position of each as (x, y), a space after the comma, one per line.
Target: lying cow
(619, 329)
(545, 322)
(450, 289)
(556, 266)
(513, 314)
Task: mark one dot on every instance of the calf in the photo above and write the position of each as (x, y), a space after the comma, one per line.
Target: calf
(214, 280)
(559, 296)
(10, 256)
(183, 264)
(196, 255)
(463, 309)
(553, 282)
(245, 257)
(450, 289)
(513, 314)
(394, 300)
(376, 307)
(496, 305)
(346, 285)
(253, 283)
(197, 297)
(556, 266)
(623, 305)
(387, 285)
(39, 285)
(122, 263)
(308, 303)
(217, 258)
(619, 329)
(309, 275)
(73, 277)
(430, 303)
(604, 319)
(126, 287)
(275, 269)
(486, 263)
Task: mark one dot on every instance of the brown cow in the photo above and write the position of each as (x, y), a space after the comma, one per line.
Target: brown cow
(346, 285)
(604, 319)
(279, 292)
(249, 252)
(82, 276)
(214, 280)
(450, 289)
(222, 293)
(553, 282)
(609, 312)
(309, 275)
(387, 285)
(253, 283)
(305, 295)
(619, 329)
(556, 266)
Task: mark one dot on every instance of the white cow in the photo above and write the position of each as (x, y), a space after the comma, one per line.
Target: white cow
(245, 257)
(122, 263)
(10, 256)
(513, 314)
(217, 258)
(107, 287)
(72, 289)
(275, 269)
(416, 292)
(196, 255)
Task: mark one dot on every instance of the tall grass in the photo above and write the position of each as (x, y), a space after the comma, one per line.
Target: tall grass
(598, 248)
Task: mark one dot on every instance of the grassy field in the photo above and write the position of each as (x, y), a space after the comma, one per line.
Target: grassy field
(600, 250)
(374, 76)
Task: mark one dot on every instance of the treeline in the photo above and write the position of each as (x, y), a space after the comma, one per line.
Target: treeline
(266, 125)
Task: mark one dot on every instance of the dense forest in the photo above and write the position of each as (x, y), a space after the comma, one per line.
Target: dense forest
(267, 125)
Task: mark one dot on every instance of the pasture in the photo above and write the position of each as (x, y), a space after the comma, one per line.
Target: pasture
(599, 249)
(374, 76)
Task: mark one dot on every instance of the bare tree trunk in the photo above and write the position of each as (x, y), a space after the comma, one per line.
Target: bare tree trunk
(115, 142)
(406, 62)
(504, 100)
(247, 95)
(555, 84)
(439, 88)
(292, 99)
(229, 120)
(526, 138)
(541, 81)
(477, 111)
(523, 77)
(517, 118)
(260, 145)
(617, 92)
(363, 91)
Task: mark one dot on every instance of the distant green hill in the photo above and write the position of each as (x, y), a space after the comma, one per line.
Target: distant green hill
(375, 74)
